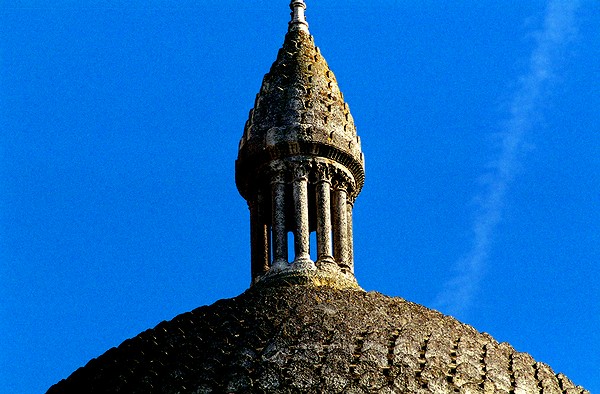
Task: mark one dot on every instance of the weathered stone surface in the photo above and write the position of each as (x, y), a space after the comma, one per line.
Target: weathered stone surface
(291, 339)
(300, 166)
(304, 326)
(298, 111)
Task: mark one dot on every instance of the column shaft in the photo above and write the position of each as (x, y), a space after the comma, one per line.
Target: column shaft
(324, 252)
(340, 228)
(254, 240)
(301, 230)
(263, 246)
(350, 236)
(259, 248)
(280, 251)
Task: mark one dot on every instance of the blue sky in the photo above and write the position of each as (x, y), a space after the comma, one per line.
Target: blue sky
(119, 129)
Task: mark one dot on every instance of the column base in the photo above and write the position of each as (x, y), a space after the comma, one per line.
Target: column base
(304, 277)
(304, 263)
(328, 264)
(279, 265)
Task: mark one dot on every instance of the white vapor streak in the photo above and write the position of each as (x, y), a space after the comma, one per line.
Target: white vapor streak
(528, 100)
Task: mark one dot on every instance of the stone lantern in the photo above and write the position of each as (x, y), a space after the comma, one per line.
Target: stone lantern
(300, 167)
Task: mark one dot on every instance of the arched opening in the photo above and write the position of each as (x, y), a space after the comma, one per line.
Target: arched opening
(290, 247)
(313, 246)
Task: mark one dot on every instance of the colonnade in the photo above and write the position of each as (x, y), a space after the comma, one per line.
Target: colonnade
(285, 192)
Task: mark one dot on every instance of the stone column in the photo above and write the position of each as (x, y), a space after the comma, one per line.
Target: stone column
(259, 238)
(340, 223)
(301, 229)
(323, 186)
(349, 234)
(280, 251)
(254, 230)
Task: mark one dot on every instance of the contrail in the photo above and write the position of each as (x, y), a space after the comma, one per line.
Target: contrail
(524, 108)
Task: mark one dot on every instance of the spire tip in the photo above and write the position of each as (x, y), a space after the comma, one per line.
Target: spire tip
(298, 21)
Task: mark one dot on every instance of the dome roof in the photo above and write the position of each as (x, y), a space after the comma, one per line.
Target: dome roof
(304, 326)
(279, 339)
(299, 111)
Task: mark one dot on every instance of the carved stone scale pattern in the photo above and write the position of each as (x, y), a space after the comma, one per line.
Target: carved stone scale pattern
(307, 339)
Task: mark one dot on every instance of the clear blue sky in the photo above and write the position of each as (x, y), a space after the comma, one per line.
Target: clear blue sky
(119, 127)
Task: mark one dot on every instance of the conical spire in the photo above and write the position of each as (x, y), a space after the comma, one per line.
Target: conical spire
(300, 166)
(300, 102)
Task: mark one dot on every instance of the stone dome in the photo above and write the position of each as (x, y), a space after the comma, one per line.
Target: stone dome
(306, 339)
(306, 326)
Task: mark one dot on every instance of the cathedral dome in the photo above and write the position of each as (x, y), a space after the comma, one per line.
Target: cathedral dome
(305, 326)
(306, 339)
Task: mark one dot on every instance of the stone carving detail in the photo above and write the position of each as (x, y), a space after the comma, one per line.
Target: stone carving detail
(351, 199)
(339, 183)
(277, 175)
(343, 181)
(300, 171)
(322, 172)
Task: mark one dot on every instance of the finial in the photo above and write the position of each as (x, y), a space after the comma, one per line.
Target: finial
(298, 21)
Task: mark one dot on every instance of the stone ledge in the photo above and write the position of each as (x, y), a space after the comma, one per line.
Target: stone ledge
(332, 278)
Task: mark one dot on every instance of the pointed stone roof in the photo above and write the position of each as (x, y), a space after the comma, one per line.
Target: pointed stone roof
(314, 340)
(299, 110)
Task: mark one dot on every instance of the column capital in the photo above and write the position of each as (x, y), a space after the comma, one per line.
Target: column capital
(277, 176)
(323, 172)
(277, 172)
(342, 181)
(300, 171)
